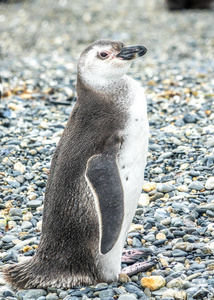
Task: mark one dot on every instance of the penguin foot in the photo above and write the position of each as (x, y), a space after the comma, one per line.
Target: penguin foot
(139, 267)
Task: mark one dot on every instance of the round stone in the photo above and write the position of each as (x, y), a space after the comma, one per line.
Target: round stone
(209, 185)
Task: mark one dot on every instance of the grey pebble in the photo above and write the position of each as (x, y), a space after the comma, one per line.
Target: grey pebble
(20, 294)
(26, 225)
(136, 243)
(20, 179)
(34, 294)
(197, 266)
(29, 176)
(13, 183)
(149, 237)
(34, 203)
(177, 222)
(63, 294)
(209, 206)
(189, 118)
(80, 292)
(160, 214)
(196, 185)
(106, 293)
(8, 238)
(134, 290)
(164, 188)
(15, 212)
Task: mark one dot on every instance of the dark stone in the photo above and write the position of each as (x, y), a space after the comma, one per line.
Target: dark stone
(135, 290)
(179, 233)
(8, 293)
(40, 183)
(80, 292)
(159, 242)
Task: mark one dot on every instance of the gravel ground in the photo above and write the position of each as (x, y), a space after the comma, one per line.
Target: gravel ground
(40, 42)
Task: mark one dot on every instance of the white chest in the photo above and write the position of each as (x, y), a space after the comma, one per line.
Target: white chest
(132, 157)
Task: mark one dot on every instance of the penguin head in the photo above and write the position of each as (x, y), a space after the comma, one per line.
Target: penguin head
(106, 60)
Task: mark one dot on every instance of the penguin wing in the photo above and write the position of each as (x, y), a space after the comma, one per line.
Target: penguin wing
(104, 176)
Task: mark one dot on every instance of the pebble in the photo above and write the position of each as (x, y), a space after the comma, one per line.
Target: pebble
(16, 212)
(209, 185)
(160, 236)
(26, 225)
(123, 278)
(33, 152)
(178, 267)
(184, 246)
(160, 214)
(8, 238)
(18, 166)
(127, 297)
(197, 266)
(106, 294)
(132, 289)
(166, 221)
(28, 216)
(181, 295)
(34, 294)
(163, 188)
(200, 294)
(196, 185)
(63, 294)
(175, 283)
(144, 200)
(34, 203)
(169, 293)
(193, 276)
(153, 282)
(149, 186)
(52, 296)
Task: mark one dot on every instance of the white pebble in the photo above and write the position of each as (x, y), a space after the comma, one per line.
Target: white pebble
(19, 167)
(210, 183)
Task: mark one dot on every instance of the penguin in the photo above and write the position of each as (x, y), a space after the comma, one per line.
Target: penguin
(95, 178)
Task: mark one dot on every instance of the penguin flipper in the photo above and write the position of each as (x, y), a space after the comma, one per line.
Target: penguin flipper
(104, 176)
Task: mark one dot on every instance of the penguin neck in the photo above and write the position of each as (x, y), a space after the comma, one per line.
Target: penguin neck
(107, 87)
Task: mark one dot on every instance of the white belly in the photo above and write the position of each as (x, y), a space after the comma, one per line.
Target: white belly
(132, 159)
(132, 162)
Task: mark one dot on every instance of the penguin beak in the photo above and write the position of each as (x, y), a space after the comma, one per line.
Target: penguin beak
(129, 53)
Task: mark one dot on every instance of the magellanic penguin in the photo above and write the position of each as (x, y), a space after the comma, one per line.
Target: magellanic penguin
(96, 176)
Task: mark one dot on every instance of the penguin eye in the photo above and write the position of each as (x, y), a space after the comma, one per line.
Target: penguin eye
(103, 54)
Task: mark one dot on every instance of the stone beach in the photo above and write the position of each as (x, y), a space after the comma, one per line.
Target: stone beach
(40, 42)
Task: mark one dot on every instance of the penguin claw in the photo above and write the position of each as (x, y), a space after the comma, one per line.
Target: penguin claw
(139, 267)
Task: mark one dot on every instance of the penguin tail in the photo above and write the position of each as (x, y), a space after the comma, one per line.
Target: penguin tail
(20, 275)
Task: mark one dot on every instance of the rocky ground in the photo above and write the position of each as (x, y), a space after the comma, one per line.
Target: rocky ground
(40, 42)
